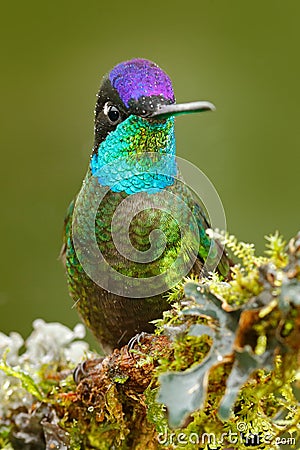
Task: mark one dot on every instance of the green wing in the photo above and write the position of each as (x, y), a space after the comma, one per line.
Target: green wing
(67, 231)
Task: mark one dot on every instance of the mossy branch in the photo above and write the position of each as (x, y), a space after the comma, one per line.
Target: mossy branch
(222, 370)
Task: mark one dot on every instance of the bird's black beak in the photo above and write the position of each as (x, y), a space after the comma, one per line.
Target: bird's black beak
(164, 111)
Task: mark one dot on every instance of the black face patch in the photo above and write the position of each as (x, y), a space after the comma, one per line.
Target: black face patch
(108, 97)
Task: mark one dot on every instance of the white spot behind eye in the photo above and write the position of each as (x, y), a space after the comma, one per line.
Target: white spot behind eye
(112, 113)
(105, 108)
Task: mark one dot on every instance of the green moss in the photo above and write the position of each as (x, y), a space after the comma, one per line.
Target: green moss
(276, 249)
(26, 380)
(4, 437)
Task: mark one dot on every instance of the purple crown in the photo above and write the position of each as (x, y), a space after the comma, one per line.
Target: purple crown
(139, 77)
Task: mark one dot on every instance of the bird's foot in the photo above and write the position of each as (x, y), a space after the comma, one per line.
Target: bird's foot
(137, 339)
(83, 369)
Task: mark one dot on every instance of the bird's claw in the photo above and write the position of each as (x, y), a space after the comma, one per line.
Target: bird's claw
(83, 369)
(136, 340)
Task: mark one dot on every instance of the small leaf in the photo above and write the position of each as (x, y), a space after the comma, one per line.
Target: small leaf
(184, 392)
(246, 361)
(26, 380)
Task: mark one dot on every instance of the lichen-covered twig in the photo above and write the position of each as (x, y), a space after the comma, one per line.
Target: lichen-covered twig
(221, 372)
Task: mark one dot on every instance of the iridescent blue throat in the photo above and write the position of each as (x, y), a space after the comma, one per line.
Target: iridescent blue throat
(138, 156)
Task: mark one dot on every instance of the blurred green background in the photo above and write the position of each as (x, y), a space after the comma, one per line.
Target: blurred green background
(243, 56)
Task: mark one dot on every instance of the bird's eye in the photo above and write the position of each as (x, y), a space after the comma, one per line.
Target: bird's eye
(112, 113)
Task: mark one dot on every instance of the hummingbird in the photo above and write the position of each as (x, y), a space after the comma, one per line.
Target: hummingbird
(134, 209)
